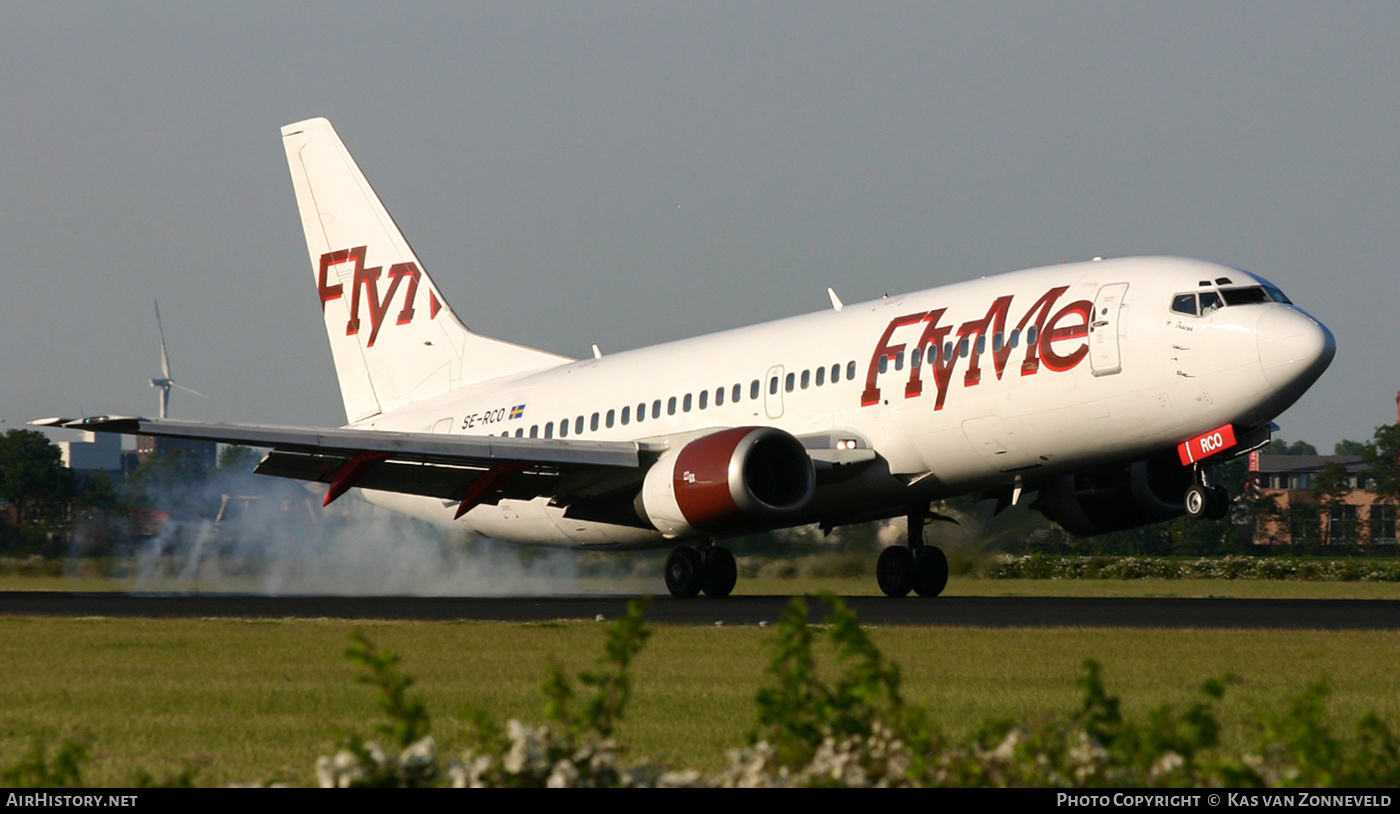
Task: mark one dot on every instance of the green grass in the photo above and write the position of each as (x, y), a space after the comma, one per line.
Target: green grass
(256, 701)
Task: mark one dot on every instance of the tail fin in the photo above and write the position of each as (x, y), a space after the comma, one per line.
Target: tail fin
(394, 339)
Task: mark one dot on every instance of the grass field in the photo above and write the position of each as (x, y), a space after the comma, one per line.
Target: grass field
(259, 701)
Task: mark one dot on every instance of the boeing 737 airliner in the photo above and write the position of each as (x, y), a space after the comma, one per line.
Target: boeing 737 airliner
(1107, 388)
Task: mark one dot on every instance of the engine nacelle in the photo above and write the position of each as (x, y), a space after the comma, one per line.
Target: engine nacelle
(729, 481)
(1117, 497)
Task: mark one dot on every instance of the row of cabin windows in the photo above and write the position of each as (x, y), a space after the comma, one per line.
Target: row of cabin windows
(686, 403)
(959, 349)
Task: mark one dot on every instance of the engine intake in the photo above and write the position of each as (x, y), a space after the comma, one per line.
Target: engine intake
(729, 481)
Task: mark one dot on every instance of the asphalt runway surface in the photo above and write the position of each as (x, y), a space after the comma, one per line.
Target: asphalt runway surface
(959, 611)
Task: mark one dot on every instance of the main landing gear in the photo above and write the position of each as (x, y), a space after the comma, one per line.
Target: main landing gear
(711, 569)
(1202, 500)
(920, 568)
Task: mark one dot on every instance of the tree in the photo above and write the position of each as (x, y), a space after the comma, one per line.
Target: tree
(1349, 447)
(1382, 457)
(33, 478)
(238, 458)
(1281, 447)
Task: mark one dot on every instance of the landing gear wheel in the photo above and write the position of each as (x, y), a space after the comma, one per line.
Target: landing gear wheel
(684, 572)
(895, 571)
(1197, 501)
(930, 571)
(721, 572)
(1219, 503)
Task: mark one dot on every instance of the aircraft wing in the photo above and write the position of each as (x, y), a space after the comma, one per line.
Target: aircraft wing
(471, 469)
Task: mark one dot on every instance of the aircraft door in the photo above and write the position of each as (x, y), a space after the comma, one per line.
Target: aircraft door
(1104, 356)
(773, 392)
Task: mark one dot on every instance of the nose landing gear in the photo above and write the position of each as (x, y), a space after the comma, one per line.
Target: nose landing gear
(1202, 500)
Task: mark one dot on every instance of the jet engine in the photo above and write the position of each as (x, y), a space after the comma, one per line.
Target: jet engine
(1118, 497)
(728, 481)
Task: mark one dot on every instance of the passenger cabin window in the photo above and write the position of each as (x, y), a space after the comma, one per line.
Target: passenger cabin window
(806, 379)
(578, 426)
(791, 382)
(626, 415)
(850, 370)
(773, 386)
(549, 430)
(705, 399)
(719, 396)
(564, 428)
(734, 397)
(593, 423)
(835, 373)
(685, 403)
(656, 409)
(610, 418)
(671, 406)
(821, 376)
(534, 431)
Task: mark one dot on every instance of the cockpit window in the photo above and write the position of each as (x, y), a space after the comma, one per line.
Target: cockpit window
(1184, 304)
(1244, 296)
(1208, 301)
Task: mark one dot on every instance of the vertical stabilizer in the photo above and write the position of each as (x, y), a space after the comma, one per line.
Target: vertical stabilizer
(394, 339)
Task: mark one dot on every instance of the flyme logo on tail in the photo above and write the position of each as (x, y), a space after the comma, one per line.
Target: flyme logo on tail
(1043, 336)
(367, 280)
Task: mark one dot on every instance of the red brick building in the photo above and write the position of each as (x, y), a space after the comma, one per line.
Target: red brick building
(1292, 480)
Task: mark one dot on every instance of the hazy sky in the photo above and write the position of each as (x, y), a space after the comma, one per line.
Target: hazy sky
(626, 173)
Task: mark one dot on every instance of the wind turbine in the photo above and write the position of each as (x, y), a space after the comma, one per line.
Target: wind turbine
(166, 382)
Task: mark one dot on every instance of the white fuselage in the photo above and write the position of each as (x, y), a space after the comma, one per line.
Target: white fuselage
(981, 385)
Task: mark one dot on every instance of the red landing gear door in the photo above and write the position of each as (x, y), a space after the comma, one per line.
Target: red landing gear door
(1206, 444)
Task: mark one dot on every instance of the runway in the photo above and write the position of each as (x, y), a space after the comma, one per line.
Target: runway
(988, 612)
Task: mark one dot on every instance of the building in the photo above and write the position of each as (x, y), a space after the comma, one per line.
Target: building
(1293, 481)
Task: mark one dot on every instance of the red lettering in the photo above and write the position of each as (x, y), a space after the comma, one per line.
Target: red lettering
(397, 272)
(368, 281)
(364, 278)
(1040, 332)
(932, 343)
(871, 394)
(1052, 333)
(331, 292)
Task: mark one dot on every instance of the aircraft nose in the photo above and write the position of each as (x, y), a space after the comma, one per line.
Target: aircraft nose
(1294, 348)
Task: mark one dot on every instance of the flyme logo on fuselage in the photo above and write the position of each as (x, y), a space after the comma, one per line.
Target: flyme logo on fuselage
(1043, 336)
(367, 280)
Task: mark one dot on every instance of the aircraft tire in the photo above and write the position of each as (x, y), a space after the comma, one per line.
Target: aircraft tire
(930, 571)
(1197, 501)
(895, 571)
(721, 572)
(685, 572)
(1219, 504)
